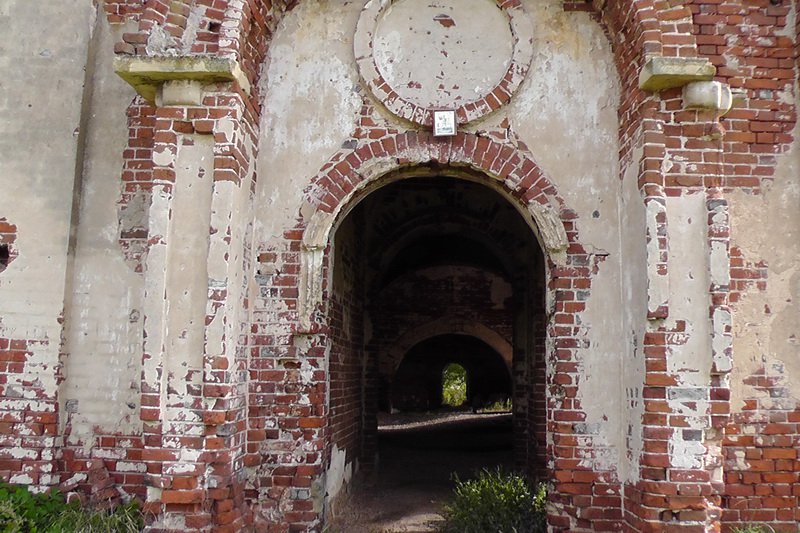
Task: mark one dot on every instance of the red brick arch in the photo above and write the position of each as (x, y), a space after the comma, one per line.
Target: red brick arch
(345, 177)
(352, 174)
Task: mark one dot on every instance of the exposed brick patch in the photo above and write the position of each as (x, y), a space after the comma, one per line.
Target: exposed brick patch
(748, 43)
(119, 11)
(8, 237)
(761, 456)
(119, 456)
(193, 26)
(137, 178)
(28, 415)
(746, 275)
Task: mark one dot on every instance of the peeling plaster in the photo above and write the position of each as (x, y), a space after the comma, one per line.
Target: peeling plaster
(310, 67)
(766, 329)
(338, 475)
(574, 138)
(414, 50)
(186, 259)
(657, 281)
(687, 219)
(37, 178)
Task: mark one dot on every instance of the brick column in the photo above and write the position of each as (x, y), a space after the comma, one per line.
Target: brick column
(193, 382)
(174, 316)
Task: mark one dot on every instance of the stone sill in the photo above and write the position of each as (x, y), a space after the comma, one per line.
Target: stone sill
(660, 73)
(147, 74)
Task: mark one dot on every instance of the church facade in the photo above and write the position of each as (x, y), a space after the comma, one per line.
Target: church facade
(234, 231)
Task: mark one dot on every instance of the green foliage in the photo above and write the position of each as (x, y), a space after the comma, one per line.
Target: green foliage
(503, 406)
(496, 502)
(10, 520)
(24, 512)
(454, 385)
(753, 528)
(122, 519)
(28, 512)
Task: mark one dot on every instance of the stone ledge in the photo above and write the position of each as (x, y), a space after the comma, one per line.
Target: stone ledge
(661, 73)
(147, 74)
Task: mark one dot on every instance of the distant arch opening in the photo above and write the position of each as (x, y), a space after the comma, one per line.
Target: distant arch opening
(454, 385)
(465, 364)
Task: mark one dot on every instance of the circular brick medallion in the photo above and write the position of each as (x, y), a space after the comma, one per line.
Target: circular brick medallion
(417, 56)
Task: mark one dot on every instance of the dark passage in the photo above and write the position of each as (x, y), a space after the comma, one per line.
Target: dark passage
(429, 272)
(419, 454)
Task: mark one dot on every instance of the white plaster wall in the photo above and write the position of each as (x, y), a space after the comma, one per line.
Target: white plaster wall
(634, 312)
(43, 51)
(231, 230)
(766, 325)
(103, 339)
(566, 113)
(687, 223)
(690, 356)
(310, 85)
(414, 52)
(187, 256)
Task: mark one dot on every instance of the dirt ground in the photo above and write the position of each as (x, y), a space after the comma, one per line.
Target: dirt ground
(418, 455)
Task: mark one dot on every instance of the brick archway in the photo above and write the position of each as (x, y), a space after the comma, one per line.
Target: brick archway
(352, 174)
(348, 176)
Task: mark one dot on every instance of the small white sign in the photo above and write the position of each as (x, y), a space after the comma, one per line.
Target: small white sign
(444, 123)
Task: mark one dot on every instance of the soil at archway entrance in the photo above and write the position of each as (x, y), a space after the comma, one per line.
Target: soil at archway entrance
(418, 456)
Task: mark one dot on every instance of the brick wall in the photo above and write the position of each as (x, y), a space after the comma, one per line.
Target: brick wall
(29, 415)
(245, 403)
(759, 447)
(28, 406)
(347, 357)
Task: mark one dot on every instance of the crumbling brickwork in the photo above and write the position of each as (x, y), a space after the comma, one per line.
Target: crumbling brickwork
(624, 236)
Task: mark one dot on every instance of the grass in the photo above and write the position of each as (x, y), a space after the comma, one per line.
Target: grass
(24, 512)
(496, 501)
(503, 406)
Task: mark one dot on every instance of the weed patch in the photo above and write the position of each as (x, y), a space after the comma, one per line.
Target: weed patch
(24, 512)
(496, 502)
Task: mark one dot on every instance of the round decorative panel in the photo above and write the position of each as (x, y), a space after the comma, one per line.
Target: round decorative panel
(417, 56)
